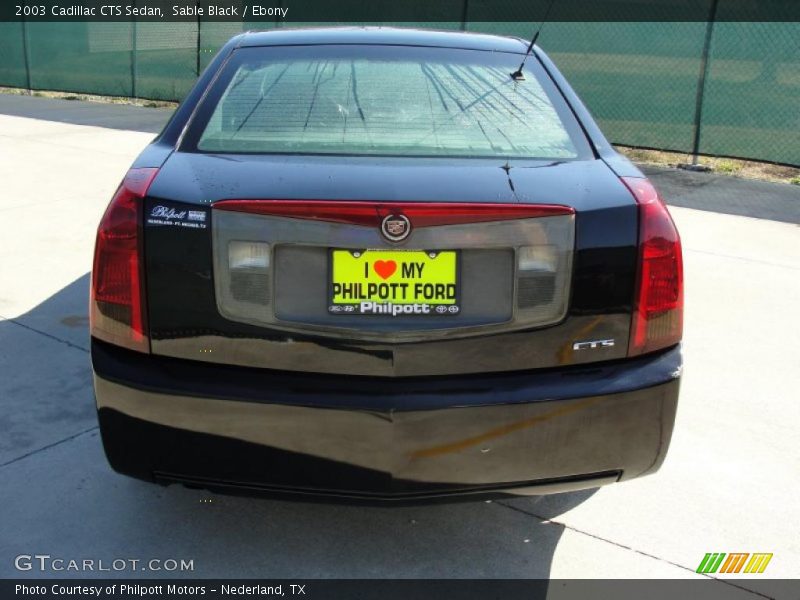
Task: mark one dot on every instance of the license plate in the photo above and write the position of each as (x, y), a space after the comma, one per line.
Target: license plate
(393, 282)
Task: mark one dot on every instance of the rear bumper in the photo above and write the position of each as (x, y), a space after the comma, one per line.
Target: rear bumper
(171, 420)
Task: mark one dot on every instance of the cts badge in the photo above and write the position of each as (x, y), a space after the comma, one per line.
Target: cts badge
(395, 228)
(593, 344)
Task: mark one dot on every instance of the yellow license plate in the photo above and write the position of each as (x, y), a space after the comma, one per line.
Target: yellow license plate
(393, 282)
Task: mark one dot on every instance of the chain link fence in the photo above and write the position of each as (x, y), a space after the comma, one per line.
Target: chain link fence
(721, 88)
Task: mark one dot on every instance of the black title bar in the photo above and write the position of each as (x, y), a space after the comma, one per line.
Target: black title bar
(396, 11)
(397, 589)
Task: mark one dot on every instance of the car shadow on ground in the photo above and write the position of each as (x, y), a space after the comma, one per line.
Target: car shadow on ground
(62, 498)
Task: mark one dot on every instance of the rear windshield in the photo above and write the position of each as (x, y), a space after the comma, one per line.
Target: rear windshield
(385, 100)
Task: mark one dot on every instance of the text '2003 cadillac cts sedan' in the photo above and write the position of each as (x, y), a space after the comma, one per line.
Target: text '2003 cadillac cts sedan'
(380, 264)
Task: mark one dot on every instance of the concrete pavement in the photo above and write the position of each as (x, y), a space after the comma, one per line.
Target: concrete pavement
(728, 484)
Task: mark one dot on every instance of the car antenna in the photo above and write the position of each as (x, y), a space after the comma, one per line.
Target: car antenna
(518, 75)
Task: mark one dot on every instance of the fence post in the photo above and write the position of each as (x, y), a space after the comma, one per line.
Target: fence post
(25, 55)
(133, 57)
(197, 42)
(701, 81)
(464, 15)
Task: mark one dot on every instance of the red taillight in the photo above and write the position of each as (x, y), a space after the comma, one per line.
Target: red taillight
(117, 310)
(421, 214)
(658, 307)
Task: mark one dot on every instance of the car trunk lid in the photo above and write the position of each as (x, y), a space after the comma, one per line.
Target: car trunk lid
(281, 316)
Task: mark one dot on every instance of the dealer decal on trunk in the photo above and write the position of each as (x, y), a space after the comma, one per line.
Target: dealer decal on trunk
(177, 217)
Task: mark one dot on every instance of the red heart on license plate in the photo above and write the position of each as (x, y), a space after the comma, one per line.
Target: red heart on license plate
(385, 268)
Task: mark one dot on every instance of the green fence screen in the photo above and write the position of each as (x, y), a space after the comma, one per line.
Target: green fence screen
(727, 88)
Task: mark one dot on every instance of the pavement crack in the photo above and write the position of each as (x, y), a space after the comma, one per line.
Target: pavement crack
(630, 548)
(45, 334)
(48, 446)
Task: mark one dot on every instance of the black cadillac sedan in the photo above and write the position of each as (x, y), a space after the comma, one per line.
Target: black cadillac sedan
(383, 264)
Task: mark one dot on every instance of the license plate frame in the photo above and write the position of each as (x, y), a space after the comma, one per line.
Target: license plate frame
(410, 305)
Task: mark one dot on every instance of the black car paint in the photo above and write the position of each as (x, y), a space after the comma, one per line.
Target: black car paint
(606, 230)
(175, 376)
(181, 305)
(586, 408)
(181, 298)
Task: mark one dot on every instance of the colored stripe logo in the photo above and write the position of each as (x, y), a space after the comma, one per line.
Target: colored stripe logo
(721, 562)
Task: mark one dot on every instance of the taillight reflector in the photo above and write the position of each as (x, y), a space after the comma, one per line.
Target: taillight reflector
(117, 304)
(658, 306)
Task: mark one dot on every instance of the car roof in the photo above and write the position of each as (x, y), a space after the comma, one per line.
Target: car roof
(392, 36)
